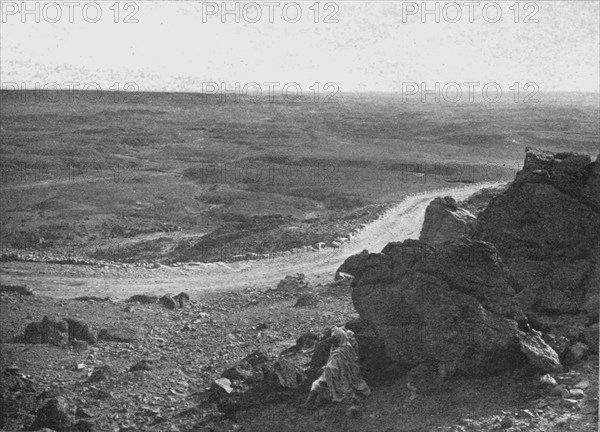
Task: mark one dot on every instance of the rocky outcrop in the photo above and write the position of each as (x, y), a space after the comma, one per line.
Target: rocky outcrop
(546, 226)
(452, 306)
(445, 220)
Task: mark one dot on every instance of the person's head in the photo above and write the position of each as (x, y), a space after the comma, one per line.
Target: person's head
(338, 336)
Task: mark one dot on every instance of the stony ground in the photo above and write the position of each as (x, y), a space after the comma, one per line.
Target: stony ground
(187, 348)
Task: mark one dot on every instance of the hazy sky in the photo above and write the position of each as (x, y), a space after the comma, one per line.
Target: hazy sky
(366, 46)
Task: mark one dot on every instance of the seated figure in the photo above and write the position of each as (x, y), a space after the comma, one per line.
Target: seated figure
(341, 375)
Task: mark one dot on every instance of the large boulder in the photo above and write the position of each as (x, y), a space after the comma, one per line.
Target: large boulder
(451, 305)
(445, 220)
(546, 226)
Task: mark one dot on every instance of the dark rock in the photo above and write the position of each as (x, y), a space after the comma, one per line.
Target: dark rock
(79, 330)
(142, 365)
(182, 299)
(82, 413)
(307, 341)
(506, 422)
(118, 334)
(100, 374)
(452, 305)
(353, 412)
(143, 299)
(352, 265)
(445, 220)
(548, 232)
(307, 299)
(576, 352)
(48, 331)
(168, 302)
(78, 345)
(16, 289)
(55, 414)
(294, 283)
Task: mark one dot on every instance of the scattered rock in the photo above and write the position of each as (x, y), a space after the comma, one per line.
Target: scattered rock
(576, 352)
(576, 393)
(142, 365)
(582, 384)
(182, 299)
(100, 374)
(16, 289)
(168, 302)
(48, 331)
(82, 413)
(79, 345)
(570, 403)
(547, 381)
(79, 330)
(293, 283)
(118, 334)
(506, 422)
(55, 414)
(354, 412)
(307, 299)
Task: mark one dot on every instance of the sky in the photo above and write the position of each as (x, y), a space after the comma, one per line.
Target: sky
(356, 46)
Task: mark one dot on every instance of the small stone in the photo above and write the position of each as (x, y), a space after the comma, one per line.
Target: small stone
(565, 393)
(577, 352)
(100, 374)
(143, 365)
(13, 369)
(79, 345)
(582, 384)
(558, 390)
(80, 366)
(570, 403)
(353, 412)
(224, 384)
(506, 422)
(547, 381)
(82, 413)
(576, 393)
(526, 413)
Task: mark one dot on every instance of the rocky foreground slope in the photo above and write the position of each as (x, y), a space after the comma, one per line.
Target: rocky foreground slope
(515, 287)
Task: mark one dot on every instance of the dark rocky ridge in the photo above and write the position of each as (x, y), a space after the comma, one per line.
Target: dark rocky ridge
(464, 299)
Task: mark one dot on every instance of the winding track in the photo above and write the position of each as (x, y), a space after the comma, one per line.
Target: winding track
(399, 223)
